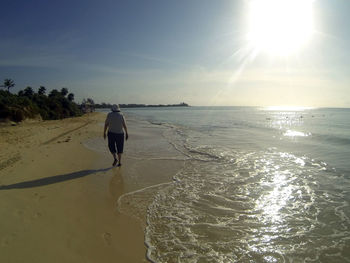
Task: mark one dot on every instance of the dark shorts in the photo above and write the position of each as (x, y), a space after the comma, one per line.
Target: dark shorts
(116, 139)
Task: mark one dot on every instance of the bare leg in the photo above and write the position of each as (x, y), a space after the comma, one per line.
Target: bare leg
(115, 159)
(119, 158)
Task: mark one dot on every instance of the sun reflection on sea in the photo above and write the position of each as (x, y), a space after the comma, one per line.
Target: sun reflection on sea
(284, 199)
(272, 202)
(288, 120)
(286, 108)
(291, 133)
(276, 198)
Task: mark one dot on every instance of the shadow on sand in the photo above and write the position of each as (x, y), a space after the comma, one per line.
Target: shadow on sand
(52, 180)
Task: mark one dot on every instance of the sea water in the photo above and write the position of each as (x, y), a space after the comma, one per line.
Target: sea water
(258, 185)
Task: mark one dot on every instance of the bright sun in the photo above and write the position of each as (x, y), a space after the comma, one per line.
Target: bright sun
(280, 27)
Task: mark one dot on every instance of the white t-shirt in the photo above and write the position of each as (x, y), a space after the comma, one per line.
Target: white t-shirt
(115, 122)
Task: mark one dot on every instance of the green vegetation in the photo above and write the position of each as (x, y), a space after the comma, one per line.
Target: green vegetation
(8, 83)
(105, 105)
(28, 104)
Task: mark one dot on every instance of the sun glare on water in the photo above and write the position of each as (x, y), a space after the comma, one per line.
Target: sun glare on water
(279, 27)
(287, 108)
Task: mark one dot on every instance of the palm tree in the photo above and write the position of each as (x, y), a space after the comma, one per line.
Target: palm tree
(42, 90)
(54, 93)
(64, 91)
(8, 83)
(70, 97)
(28, 91)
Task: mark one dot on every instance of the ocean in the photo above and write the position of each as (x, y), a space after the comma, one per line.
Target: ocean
(258, 185)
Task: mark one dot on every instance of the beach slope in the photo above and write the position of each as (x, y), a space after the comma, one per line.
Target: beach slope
(58, 199)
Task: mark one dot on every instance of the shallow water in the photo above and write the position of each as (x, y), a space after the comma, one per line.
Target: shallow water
(258, 185)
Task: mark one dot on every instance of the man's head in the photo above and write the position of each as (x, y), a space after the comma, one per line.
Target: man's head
(115, 107)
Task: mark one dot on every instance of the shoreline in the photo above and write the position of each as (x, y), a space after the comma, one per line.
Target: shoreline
(58, 198)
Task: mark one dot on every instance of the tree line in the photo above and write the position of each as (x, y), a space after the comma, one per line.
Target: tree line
(104, 105)
(27, 103)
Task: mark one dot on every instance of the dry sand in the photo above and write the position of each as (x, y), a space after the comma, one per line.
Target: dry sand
(58, 199)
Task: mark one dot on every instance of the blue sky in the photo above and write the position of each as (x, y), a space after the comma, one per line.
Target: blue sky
(158, 51)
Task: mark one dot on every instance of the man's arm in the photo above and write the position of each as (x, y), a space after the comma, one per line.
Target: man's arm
(126, 129)
(105, 128)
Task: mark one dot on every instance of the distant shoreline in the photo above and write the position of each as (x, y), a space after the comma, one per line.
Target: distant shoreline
(106, 106)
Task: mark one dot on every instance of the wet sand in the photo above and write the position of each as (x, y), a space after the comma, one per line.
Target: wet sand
(59, 199)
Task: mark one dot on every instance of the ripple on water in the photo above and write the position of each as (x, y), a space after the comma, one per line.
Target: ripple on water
(265, 207)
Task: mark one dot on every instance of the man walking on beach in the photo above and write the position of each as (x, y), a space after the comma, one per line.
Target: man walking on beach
(115, 123)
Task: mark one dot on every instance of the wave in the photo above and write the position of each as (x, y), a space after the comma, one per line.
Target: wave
(220, 212)
(235, 203)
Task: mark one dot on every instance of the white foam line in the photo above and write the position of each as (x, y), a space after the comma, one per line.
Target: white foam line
(158, 158)
(138, 191)
(172, 126)
(177, 149)
(145, 188)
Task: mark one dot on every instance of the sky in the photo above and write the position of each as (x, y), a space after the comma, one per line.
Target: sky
(165, 52)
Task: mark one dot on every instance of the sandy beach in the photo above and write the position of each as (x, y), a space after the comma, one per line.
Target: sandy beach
(59, 199)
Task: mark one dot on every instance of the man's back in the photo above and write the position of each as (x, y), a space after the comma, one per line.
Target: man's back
(115, 120)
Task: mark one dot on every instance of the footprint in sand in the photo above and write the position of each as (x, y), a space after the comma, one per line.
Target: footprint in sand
(107, 237)
(5, 241)
(38, 197)
(19, 213)
(37, 215)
